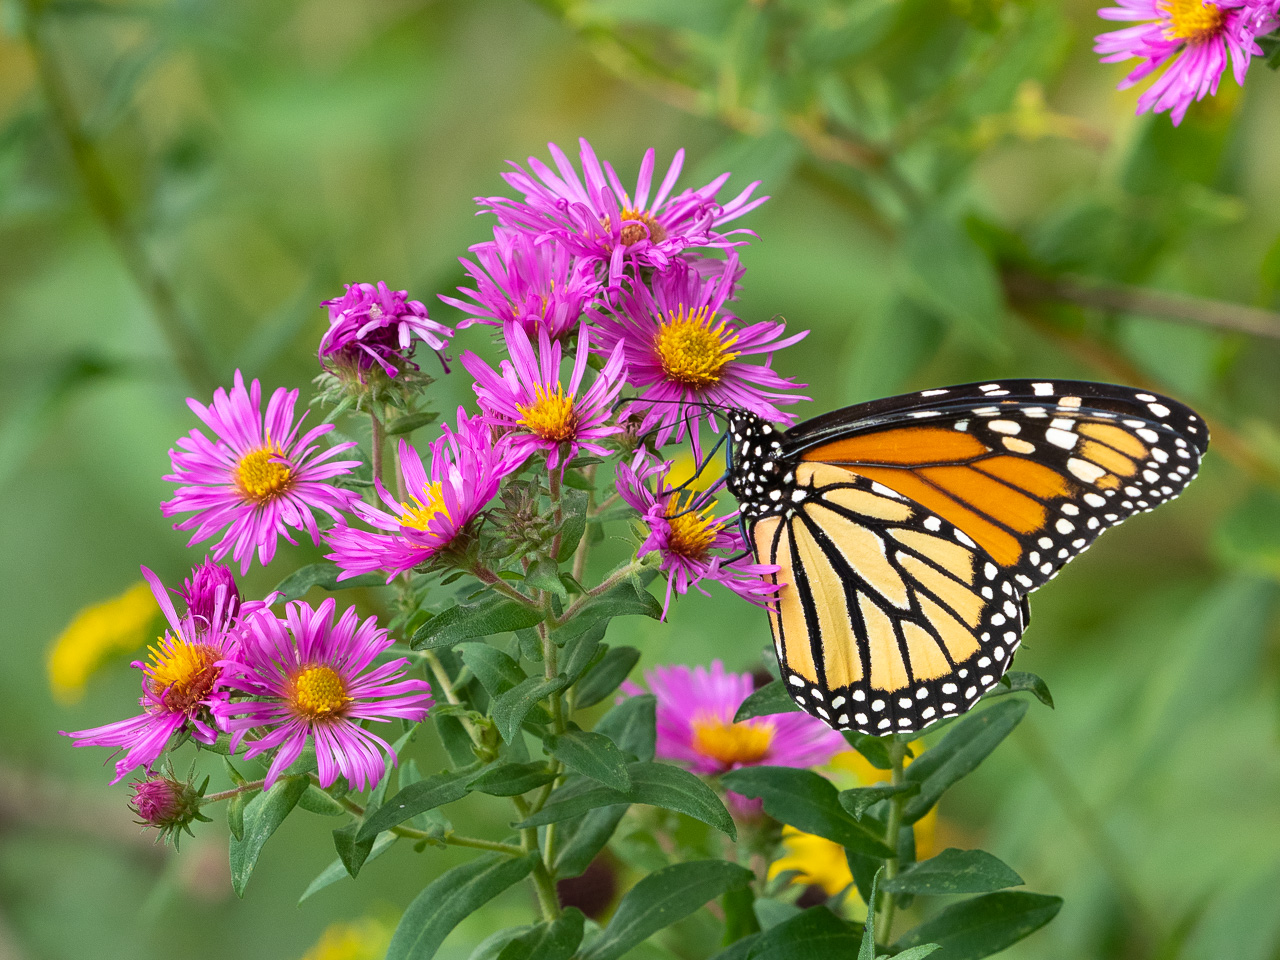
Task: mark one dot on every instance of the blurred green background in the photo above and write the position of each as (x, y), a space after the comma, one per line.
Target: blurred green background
(951, 182)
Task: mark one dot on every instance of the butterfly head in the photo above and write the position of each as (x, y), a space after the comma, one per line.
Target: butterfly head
(758, 474)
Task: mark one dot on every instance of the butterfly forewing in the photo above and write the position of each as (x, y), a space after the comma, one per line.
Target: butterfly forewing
(908, 531)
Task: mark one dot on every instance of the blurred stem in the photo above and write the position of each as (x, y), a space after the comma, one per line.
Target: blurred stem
(897, 754)
(1087, 822)
(584, 547)
(451, 695)
(377, 437)
(109, 206)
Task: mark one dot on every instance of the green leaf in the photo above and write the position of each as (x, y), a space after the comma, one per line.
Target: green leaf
(544, 575)
(352, 851)
(874, 750)
(512, 779)
(632, 725)
(468, 621)
(262, 817)
(739, 949)
(557, 940)
(410, 422)
(657, 784)
(662, 898)
(337, 870)
(807, 802)
(587, 838)
(606, 676)
(573, 505)
(815, 933)
(235, 815)
(984, 925)
(951, 275)
(497, 672)
(867, 949)
(582, 652)
(626, 599)
(452, 897)
(739, 914)
(414, 799)
(1019, 681)
(771, 913)
(324, 575)
(510, 709)
(770, 699)
(967, 743)
(592, 755)
(918, 952)
(315, 800)
(858, 800)
(954, 871)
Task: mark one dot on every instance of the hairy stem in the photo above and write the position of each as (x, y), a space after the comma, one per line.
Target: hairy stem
(376, 441)
(109, 207)
(451, 695)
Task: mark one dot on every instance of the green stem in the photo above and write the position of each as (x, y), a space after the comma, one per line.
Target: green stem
(446, 687)
(897, 754)
(491, 579)
(376, 439)
(233, 792)
(611, 581)
(454, 839)
(584, 547)
(109, 207)
(544, 884)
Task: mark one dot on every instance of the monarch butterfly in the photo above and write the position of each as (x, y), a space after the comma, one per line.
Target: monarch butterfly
(909, 531)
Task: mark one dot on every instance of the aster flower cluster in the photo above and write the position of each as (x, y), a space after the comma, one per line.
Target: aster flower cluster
(1191, 41)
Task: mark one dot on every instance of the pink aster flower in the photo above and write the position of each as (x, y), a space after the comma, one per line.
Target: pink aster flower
(695, 714)
(211, 586)
(599, 221)
(257, 477)
(683, 348)
(693, 544)
(537, 285)
(311, 677)
(369, 325)
(180, 685)
(466, 469)
(529, 399)
(1191, 39)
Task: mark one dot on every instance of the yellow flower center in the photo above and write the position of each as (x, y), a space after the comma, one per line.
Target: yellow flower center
(816, 860)
(318, 692)
(693, 349)
(420, 514)
(731, 743)
(261, 476)
(551, 415)
(1192, 20)
(180, 673)
(634, 232)
(692, 531)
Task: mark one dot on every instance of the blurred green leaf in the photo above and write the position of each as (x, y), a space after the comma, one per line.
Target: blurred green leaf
(510, 709)
(605, 677)
(817, 932)
(807, 802)
(1249, 537)
(739, 914)
(411, 422)
(494, 614)
(892, 343)
(325, 576)
(1019, 681)
(591, 754)
(954, 871)
(585, 837)
(984, 925)
(951, 275)
(967, 743)
(450, 898)
(770, 699)
(512, 779)
(557, 940)
(337, 870)
(263, 815)
(662, 898)
(1241, 922)
(632, 725)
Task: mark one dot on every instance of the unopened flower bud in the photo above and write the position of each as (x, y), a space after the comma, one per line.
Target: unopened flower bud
(211, 594)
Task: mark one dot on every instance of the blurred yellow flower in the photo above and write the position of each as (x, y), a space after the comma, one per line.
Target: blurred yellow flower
(868, 776)
(816, 860)
(682, 466)
(117, 625)
(362, 939)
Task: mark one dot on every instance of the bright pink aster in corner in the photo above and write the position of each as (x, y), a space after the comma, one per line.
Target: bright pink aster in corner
(530, 399)
(180, 685)
(312, 677)
(257, 477)
(693, 544)
(1191, 39)
(466, 469)
(695, 714)
(369, 325)
(537, 285)
(598, 220)
(682, 347)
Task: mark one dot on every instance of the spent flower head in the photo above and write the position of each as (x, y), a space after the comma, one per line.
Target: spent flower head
(370, 325)
(256, 478)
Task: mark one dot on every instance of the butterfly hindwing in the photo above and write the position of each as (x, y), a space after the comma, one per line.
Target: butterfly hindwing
(890, 617)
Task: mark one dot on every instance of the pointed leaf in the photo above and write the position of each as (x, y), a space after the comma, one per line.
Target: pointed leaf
(410, 422)
(966, 744)
(770, 699)
(337, 870)
(497, 672)
(512, 779)
(414, 799)
(452, 897)
(324, 575)
(984, 925)
(544, 575)
(1019, 681)
(954, 871)
(592, 755)
(807, 802)
(867, 949)
(858, 800)
(587, 838)
(817, 932)
(873, 749)
(315, 800)
(557, 940)
(662, 898)
(352, 851)
(510, 709)
(632, 725)
(626, 599)
(262, 816)
(573, 506)
(471, 620)
(605, 677)
(582, 652)
(918, 953)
